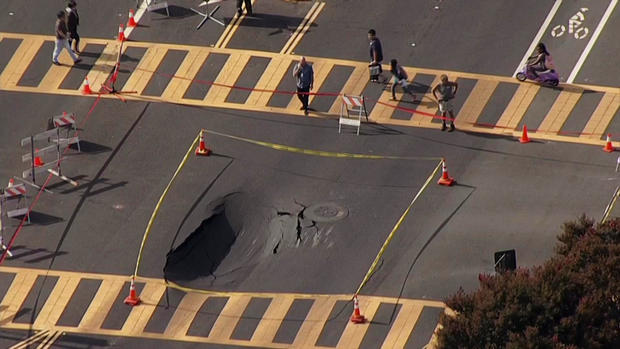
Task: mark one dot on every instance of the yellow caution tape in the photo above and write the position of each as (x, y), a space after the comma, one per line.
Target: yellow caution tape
(289, 149)
(161, 199)
(373, 266)
(611, 205)
(320, 152)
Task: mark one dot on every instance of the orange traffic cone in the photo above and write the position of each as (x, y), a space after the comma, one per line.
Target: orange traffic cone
(202, 148)
(132, 22)
(37, 159)
(121, 33)
(11, 182)
(357, 317)
(608, 146)
(133, 298)
(524, 138)
(445, 177)
(86, 89)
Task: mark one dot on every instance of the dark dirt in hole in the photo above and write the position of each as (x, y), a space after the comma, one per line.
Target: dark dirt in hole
(240, 232)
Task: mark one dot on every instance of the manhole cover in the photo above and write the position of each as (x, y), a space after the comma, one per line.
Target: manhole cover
(325, 212)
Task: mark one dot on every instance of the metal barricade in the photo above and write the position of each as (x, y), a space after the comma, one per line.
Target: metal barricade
(355, 105)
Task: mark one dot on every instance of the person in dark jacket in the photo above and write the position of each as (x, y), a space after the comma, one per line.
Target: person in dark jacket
(376, 56)
(304, 78)
(73, 20)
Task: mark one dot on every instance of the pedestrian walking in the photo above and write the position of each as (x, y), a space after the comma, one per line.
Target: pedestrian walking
(61, 39)
(73, 20)
(400, 79)
(447, 90)
(376, 56)
(304, 75)
(248, 7)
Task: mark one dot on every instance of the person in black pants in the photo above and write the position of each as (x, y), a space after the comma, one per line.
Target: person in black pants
(376, 56)
(248, 7)
(73, 20)
(304, 77)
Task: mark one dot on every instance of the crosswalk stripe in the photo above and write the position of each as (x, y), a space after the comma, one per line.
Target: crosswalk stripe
(321, 71)
(382, 112)
(144, 71)
(269, 80)
(56, 73)
(15, 296)
(57, 301)
(320, 75)
(311, 328)
(228, 75)
(475, 102)
(355, 85)
(427, 105)
(273, 317)
(186, 311)
(20, 61)
(559, 111)
(187, 70)
(229, 316)
(354, 333)
(403, 325)
(140, 315)
(517, 107)
(103, 65)
(602, 116)
(277, 70)
(99, 306)
(135, 323)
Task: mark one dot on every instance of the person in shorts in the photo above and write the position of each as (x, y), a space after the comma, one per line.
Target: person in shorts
(444, 92)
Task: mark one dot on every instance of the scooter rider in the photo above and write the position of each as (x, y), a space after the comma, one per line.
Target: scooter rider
(539, 61)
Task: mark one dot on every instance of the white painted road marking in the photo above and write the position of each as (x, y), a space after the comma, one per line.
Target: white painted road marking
(597, 32)
(539, 35)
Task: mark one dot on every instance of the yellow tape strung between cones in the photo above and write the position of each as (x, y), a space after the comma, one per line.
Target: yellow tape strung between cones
(320, 152)
(289, 149)
(373, 266)
(161, 199)
(610, 207)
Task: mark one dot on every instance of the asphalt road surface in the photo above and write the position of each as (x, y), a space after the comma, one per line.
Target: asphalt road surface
(257, 220)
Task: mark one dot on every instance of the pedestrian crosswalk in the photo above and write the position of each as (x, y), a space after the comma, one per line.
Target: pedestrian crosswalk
(203, 76)
(53, 302)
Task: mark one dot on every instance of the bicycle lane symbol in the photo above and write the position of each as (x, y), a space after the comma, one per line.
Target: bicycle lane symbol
(575, 27)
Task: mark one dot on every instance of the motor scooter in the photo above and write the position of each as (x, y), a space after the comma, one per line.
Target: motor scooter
(548, 77)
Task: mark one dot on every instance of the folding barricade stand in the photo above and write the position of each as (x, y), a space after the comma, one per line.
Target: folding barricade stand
(208, 15)
(154, 5)
(353, 104)
(51, 143)
(14, 202)
(66, 123)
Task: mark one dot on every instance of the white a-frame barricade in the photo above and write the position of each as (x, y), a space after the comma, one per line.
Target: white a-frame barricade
(14, 202)
(351, 112)
(46, 144)
(68, 128)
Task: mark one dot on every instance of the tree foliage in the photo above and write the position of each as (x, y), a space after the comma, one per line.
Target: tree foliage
(571, 301)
